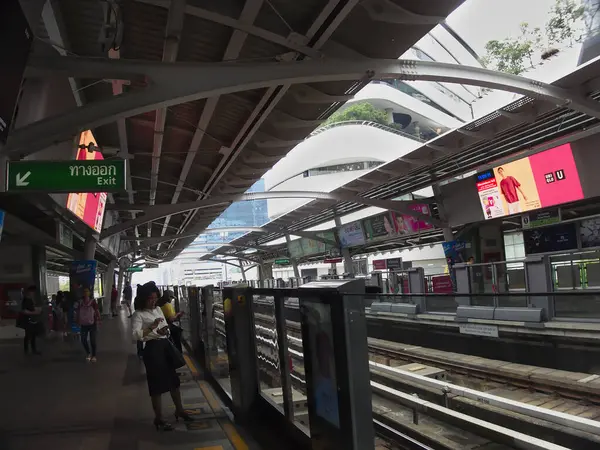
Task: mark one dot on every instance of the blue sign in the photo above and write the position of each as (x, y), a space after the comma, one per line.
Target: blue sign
(2, 214)
(485, 175)
(454, 252)
(82, 275)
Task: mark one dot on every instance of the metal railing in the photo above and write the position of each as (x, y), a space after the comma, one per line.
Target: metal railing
(366, 123)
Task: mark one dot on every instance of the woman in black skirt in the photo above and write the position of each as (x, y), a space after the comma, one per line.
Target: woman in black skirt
(149, 325)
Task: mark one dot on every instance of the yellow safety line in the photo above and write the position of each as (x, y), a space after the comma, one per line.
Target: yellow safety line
(235, 439)
(191, 366)
(210, 398)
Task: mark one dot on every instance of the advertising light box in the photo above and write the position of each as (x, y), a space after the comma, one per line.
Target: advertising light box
(88, 207)
(545, 179)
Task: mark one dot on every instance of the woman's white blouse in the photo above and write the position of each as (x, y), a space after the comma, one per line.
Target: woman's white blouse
(142, 320)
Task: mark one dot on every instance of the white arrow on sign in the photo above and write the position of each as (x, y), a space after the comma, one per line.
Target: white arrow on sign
(22, 180)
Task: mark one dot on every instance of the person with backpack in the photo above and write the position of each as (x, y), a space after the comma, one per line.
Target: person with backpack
(88, 318)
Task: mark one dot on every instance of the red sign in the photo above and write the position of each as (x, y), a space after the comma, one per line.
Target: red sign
(333, 260)
(442, 284)
(380, 264)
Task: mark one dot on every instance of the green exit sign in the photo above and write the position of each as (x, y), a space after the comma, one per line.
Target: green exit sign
(134, 269)
(66, 176)
(282, 262)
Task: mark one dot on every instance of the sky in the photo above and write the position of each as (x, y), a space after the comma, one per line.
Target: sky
(479, 21)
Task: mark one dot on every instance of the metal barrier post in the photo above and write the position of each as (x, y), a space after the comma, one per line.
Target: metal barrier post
(416, 286)
(239, 323)
(538, 278)
(462, 276)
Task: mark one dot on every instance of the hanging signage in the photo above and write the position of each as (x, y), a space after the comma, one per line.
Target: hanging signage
(550, 239)
(394, 263)
(545, 179)
(536, 219)
(65, 235)
(351, 234)
(589, 232)
(16, 44)
(308, 247)
(151, 265)
(333, 260)
(134, 269)
(380, 264)
(282, 262)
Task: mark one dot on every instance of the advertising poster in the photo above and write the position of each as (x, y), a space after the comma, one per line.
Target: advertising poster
(442, 284)
(455, 252)
(82, 274)
(380, 264)
(589, 231)
(351, 234)
(88, 207)
(324, 380)
(550, 239)
(378, 226)
(545, 179)
(404, 224)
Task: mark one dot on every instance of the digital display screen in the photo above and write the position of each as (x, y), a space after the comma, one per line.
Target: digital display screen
(324, 380)
(545, 179)
(550, 239)
(88, 207)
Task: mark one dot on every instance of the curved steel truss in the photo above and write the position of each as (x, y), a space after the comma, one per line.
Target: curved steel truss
(204, 80)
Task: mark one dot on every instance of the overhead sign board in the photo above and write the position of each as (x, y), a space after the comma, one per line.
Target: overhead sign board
(134, 269)
(15, 46)
(282, 262)
(151, 265)
(536, 219)
(65, 176)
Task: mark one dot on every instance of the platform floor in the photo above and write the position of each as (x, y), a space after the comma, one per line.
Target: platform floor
(58, 400)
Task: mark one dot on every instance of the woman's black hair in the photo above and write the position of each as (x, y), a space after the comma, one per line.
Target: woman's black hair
(142, 294)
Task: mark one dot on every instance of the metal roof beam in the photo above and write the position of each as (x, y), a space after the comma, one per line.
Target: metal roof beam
(242, 26)
(389, 12)
(159, 211)
(170, 50)
(234, 47)
(200, 80)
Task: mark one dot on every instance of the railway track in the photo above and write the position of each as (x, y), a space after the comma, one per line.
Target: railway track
(511, 384)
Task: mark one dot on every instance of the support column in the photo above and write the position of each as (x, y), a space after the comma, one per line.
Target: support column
(348, 264)
(448, 234)
(120, 284)
(109, 281)
(293, 260)
(89, 247)
(242, 270)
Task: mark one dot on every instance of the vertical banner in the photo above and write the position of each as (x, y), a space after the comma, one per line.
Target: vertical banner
(82, 274)
(2, 214)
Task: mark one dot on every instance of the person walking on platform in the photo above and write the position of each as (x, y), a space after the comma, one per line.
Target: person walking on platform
(172, 318)
(29, 320)
(160, 356)
(88, 317)
(127, 296)
(114, 296)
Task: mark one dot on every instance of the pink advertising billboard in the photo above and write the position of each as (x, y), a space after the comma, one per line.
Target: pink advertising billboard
(404, 224)
(545, 179)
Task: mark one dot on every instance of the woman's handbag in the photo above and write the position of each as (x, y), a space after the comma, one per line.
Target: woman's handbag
(22, 321)
(176, 359)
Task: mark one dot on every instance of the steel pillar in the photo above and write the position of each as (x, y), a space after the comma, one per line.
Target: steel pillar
(288, 240)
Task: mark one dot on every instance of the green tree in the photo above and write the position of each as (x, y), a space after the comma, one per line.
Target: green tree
(565, 22)
(513, 55)
(358, 111)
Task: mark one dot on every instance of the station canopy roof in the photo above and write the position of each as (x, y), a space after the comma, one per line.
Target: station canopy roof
(186, 152)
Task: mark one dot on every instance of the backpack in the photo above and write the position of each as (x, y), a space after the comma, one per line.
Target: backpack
(87, 313)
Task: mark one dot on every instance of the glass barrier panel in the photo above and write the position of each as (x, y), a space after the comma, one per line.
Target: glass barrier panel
(512, 301)
(577, 306)
(219, 360)
(267, 351)
(297, 375)
(482, 300)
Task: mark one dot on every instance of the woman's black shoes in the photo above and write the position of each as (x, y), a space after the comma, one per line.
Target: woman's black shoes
(183, 415)
(161, 425)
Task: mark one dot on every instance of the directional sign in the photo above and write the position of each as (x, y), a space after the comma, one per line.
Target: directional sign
(282, 262)
(66, 176)
(134, 269)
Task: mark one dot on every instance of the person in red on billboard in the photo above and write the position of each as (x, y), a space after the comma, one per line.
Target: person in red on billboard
(509, 186)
